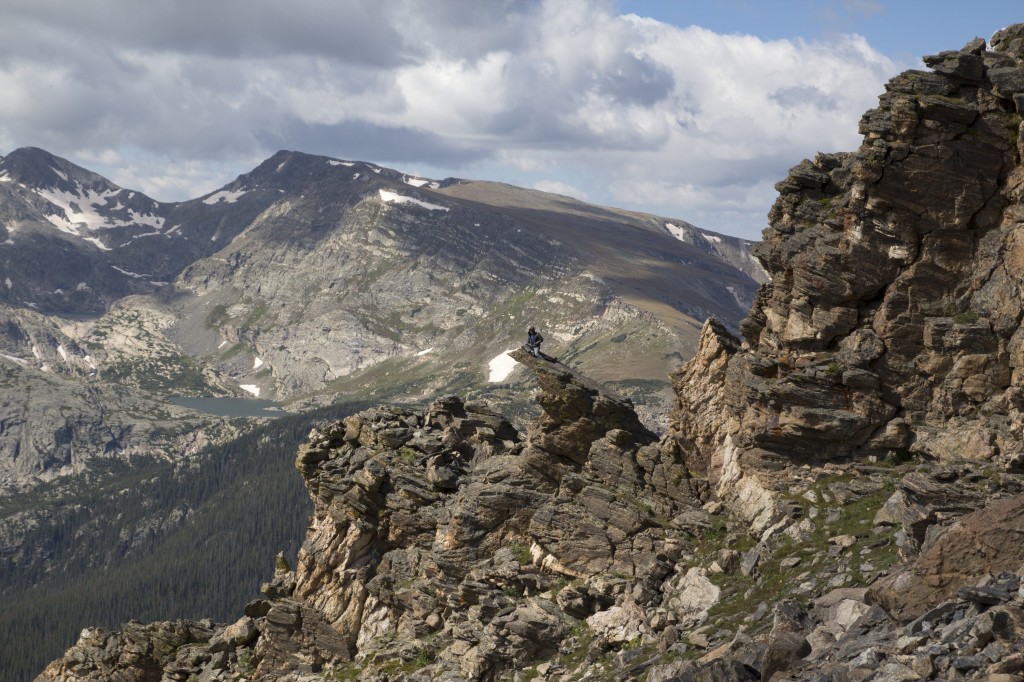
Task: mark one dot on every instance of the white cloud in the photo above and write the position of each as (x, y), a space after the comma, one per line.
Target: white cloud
(556, 187)
(681, 121)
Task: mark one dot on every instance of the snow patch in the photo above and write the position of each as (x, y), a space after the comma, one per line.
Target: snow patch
(711, 238)
(144, 234)
(14, 359)
(8, 283)
(423, 352)
(732, 290)
(78, 211)
(89, 360)
(63, 176)
(130, 273)
(81, 286)
(63, 353)
(36, 353)
(355, 176)
(257, 363)
(415, 182)
(251, 388)
(9, 242)
(335, 162)
(226, 196)
(501, 366)
(757, 261)
(6, 178)
(393, 198)
(222, 344)
(97, 243)
(680, 233)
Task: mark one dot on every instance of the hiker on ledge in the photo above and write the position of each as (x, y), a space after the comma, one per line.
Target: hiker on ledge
(533, 341)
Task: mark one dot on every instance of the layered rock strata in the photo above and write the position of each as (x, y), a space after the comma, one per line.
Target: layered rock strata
(444, 536)
(444, 545)
(891, 323)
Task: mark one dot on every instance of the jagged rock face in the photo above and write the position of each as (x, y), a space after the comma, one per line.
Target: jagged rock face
(426, 523)
(136, 653)
(444, 545)
(891, 321)
(443, 534)
(979, 544)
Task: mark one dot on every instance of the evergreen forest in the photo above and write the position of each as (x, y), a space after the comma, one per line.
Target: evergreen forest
(151, 540)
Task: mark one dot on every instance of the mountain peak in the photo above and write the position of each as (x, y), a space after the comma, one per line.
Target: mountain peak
(39, 169)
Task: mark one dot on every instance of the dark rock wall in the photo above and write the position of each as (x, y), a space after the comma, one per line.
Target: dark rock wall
(892, 318)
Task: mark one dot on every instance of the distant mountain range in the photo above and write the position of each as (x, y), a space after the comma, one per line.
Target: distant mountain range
(310, 281)
(312, 278)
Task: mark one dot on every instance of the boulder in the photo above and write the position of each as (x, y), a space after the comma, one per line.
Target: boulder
(981, 543)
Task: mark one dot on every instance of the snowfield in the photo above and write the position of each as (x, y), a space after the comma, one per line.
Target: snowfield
(79, 211)
(680, 233)
(393, 198)
(227, 196)
(501, 366)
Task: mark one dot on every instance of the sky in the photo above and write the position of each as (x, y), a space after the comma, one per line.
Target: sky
(690, 109)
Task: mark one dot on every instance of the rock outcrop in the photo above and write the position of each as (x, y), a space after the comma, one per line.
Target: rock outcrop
(891, 323)
(442, 539)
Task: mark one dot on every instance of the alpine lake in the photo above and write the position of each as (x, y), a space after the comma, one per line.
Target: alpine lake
(231, 407)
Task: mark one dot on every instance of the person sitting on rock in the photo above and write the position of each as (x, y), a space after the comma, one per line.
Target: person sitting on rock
(533, 341)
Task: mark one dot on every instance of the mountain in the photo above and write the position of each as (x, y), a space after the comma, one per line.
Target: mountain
(110, 242)
(359, 272)
(312, 279)
(838, 495)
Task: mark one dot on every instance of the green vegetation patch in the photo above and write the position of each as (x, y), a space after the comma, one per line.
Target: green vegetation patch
(814, 565)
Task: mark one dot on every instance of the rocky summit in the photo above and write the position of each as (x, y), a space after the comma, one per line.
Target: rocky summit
(838, 495)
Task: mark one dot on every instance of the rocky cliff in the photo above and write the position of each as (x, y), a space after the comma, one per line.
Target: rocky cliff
(446, 545)
(891, 323)
(839, 496)
(445, 540)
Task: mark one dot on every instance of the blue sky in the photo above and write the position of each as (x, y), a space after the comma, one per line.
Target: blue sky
(690, 110)
(902, 30)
